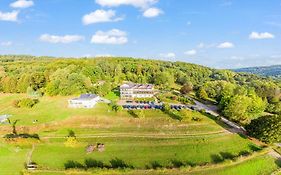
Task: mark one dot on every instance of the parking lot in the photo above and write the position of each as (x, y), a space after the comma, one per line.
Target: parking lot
(131, 105)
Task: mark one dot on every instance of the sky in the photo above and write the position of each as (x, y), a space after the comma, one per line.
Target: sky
(214, 33)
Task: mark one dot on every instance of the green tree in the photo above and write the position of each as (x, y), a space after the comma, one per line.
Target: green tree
(237, 109)
(164, 79)
(266, 128)
(202, 94)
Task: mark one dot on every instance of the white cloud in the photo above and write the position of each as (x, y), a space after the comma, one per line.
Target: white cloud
(152, 12)
(265, 35)
(201, 45)
(136, 3)
(22, 4)
(191, 52)
(226, 3)
(7, 43)
(9, 16)
(99, 16)
(168, 55)
(238, 58)
(113, 36)
(61, 39)
(103, 55)
(275, 56)
(225, 45)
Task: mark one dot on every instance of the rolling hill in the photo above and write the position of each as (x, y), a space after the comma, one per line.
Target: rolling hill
(271, 71)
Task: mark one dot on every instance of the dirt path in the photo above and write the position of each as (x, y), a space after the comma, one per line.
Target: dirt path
(29, 155)
(277, 156)
(133, 135)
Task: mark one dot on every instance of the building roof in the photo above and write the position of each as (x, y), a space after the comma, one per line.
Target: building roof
(86, 97)
(4, 117)
(136, 86)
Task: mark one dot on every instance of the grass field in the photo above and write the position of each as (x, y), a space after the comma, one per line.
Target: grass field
(139, 152)
(259, 165)
(12, 158)
(137, 141)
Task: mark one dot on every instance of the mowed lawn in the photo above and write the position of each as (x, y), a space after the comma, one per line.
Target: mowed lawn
(140, 152)
(54, 110)
(137, 141)
(258, 165)
(12, 158)
(261, 165)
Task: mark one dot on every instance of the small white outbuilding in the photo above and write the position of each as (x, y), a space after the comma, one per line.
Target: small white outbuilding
(84, 101)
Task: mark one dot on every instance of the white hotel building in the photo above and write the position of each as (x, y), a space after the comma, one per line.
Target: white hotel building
(133, 90)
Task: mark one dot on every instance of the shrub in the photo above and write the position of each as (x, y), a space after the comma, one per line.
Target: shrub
(118, 163)
(71, 142)
(16, 103)
(25, 103)
(177, 163)
(115, 107)
(172, 113)
(266, 128)
(73, 164)
(186, 88)
(71, 133)
(24, 135)
(196, 119)
(155, 165)
(91, 163)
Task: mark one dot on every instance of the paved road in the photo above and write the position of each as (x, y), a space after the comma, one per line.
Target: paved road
(213, 110)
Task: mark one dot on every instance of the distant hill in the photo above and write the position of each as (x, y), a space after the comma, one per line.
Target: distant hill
(270, 71)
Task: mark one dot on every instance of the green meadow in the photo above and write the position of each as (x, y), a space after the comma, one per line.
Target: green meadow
(143, 142)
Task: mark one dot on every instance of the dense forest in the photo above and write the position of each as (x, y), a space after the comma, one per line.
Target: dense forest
(241, 97)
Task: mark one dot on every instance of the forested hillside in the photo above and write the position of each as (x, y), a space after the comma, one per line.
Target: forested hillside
(241, 97)
(270, 71)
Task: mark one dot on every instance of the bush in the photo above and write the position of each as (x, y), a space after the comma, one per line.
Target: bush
(266, 128)
(71, 133)
(172, 113)
(91, 163)
(177, 163)
(196, 119)
(118, 163)
(115, 107)
(155, 165)
(25, 103)
(73, 164)
(24, 135)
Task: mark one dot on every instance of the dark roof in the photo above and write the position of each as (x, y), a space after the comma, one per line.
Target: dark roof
(86, 97)
(136, 86)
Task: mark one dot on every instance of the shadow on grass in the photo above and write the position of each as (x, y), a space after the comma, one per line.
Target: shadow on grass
(222, 156)
(216, 158)
(254, 147)
(154, 165)
(278, 162)
(226, 155)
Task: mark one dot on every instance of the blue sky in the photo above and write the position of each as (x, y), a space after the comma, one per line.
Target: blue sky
(216, 33)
